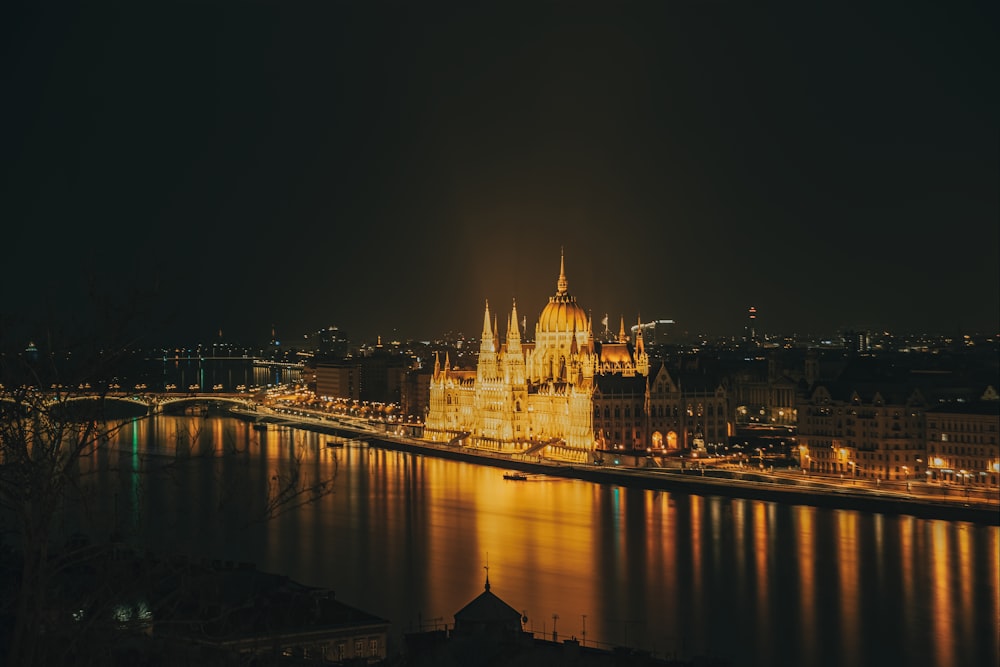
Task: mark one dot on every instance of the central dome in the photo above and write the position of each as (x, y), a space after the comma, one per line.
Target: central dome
(562, 313)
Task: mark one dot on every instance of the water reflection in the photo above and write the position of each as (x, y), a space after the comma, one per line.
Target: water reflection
(849, 584)
(698, 598)
(804, 518)
(941, 585)
(908, 573)
(407, 537)
(762, 615)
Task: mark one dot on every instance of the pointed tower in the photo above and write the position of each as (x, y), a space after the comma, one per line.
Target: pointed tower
(641, 358)
(437, 365)
(513, 358)
(513, 332)
(487, 336)
(574, 372)
(487, 367)
(515, 376)
(562, 286)
(622, 337)
(587, 356)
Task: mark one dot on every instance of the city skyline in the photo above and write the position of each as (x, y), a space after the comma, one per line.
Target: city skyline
(388, 171)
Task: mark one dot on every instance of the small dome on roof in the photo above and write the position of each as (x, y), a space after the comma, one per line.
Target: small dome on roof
(615, 353)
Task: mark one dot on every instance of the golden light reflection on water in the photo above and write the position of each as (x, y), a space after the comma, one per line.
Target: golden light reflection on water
(525, 548)
(696, 551)
(698, 618)
(848, 571)
(761, 557)
(879, 537)
(908, 571)
(658, 521)
(991, 584)
(407, 536)
(806, 559)
(739, 544)
(670, 566)
(941, 582)
(716, 527)
(966, 579)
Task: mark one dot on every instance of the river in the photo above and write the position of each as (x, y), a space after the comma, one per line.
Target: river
(407, 537)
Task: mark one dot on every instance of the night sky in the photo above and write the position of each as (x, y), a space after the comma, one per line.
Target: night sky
(385, 168)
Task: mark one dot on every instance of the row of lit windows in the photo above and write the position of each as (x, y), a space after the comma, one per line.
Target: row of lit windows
(961, 437)
(965, 426)
(968, 451)
(878, 457)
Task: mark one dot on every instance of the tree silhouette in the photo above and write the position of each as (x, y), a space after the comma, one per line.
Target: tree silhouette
(64, 599)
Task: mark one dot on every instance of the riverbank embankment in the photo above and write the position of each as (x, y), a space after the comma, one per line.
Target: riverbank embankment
(812, 490)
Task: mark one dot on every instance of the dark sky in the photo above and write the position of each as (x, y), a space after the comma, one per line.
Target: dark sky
(385, 168)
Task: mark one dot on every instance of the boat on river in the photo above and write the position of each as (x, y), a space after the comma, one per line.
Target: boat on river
(515, 476)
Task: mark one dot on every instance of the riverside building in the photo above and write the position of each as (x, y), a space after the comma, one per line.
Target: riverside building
(566, 395)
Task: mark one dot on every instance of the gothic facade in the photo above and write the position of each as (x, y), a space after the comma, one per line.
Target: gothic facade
(564, 395)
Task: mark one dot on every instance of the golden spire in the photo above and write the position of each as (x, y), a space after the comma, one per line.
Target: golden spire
(487, 332)
(561, 285)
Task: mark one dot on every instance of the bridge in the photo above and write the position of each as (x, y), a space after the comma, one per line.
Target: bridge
(155, 402)
(158, 401)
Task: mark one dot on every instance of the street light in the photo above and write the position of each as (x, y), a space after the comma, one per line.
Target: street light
(906, 476)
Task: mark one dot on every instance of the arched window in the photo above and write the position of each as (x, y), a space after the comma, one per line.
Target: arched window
(671, 440)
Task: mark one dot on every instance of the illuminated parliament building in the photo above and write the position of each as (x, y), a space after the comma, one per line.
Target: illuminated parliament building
(566, 395)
